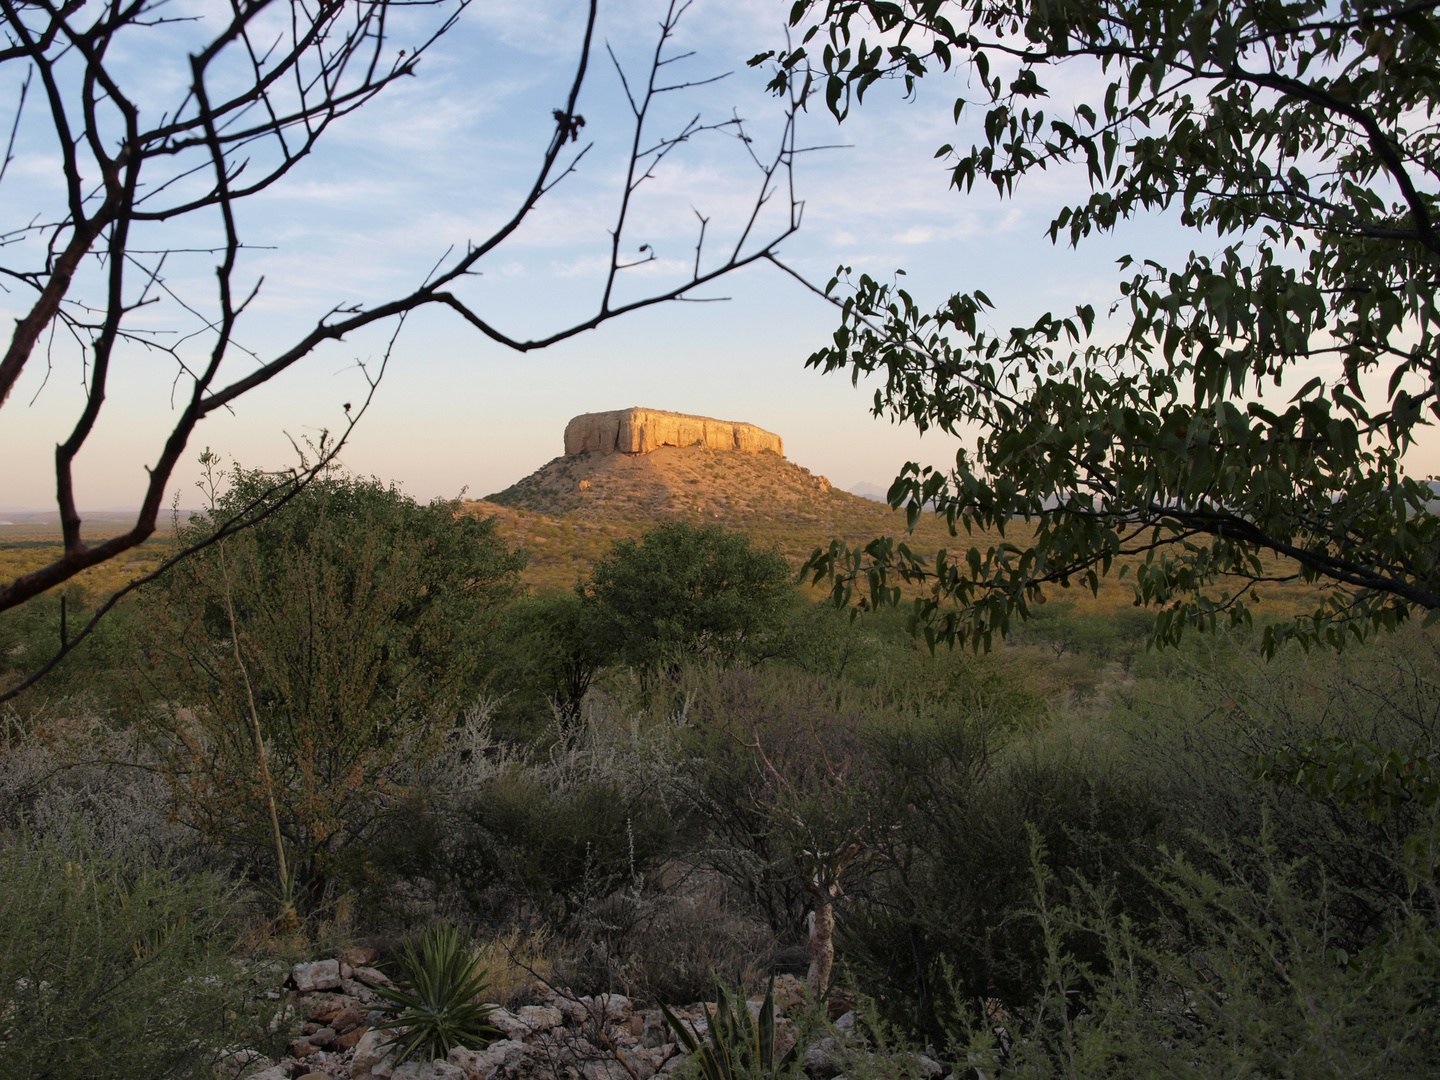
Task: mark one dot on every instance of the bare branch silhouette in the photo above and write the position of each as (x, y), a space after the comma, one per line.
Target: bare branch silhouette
(226, 139)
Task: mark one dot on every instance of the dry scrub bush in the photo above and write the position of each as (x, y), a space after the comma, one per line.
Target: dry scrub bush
(1194, 730)
(1243, 977)
(594, 810)
(83, 785)
(579, 852)
(670, 941)
(520, 965)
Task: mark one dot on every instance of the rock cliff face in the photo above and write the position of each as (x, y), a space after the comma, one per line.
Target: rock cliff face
(639, 431)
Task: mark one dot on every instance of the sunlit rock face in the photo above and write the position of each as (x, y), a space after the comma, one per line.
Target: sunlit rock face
(639, 431)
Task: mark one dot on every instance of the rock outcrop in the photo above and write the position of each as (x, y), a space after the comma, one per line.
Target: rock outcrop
(639, 431)
(348, 1033)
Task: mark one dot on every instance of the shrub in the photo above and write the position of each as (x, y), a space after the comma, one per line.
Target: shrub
(569, 824)
(765, 748)
(1196, 729)
(109, 970)
(31, 633)
(76, 782)
(690, 590)
(938, 912)
(671, 941)
(543, 658)
(1240, 980)
(359, 615)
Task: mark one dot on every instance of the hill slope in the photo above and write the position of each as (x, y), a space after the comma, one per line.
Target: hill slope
(567, 513)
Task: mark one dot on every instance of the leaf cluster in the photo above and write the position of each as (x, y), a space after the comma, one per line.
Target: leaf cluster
(1244, 979)
(696, 590)
(360, 616)
(1193, 436)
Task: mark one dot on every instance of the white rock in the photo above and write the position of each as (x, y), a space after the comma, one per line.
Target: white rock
(573, 1011)
(610, 1006)
(846, 1023)
(656, 1031)
(641, 1066)
(508, 1023)
(464, 1058)
(317, 975)
(930, 1065)
(485, 1064)
(822, 1057)
(372, 1055)
(362, 994)
(371, 975)
(698, 1028)
(538, 1018)
(235, 1062)
(283, 1015)
(275, 1072)
(441, 1070)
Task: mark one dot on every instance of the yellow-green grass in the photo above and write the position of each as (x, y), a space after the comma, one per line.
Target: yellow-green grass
(25, 550)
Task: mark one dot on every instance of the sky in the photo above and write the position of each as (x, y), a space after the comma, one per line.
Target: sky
(440, 159)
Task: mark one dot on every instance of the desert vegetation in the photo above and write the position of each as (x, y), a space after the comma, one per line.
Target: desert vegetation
(1139, 778)
(354, 727)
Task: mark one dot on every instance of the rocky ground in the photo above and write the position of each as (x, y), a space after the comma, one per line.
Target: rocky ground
(344, 1035)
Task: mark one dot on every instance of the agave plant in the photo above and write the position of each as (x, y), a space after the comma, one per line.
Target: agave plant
(442, 1008)
(738, 1048)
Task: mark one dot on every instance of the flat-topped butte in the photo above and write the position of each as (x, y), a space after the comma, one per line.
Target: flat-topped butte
(639, 431)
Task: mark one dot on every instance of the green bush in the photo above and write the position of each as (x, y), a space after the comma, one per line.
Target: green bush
(542, 659)
(31, 633)
(113, 972)
(360, 616)
(564, 847)
(1194, 730)
(682, 589)
(939, 911)
(571, 823)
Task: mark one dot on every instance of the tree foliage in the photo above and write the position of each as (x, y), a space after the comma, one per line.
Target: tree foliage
(691, 589)
(1244, 417)
(359, 615)
(547, 651)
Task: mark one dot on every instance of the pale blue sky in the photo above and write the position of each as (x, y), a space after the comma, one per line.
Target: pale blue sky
(440, 159)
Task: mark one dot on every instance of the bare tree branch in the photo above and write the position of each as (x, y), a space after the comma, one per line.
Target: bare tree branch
(119, 170)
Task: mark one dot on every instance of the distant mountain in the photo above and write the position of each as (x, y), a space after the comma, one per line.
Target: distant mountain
(867, 490)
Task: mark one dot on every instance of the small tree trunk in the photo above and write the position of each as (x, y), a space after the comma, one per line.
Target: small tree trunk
(822, 943)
